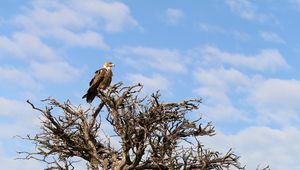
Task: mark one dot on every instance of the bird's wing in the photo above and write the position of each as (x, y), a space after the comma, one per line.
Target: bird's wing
(99, 76)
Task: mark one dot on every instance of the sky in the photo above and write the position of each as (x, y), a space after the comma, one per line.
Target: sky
(241, 57)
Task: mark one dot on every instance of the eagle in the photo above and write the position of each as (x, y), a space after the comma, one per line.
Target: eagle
(100, 81)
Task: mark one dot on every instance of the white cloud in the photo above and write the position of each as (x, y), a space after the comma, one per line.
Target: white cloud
(215, 84)
(10, 76)
(90, 39)
(174, 15)
(261, 145)
(84, 39)
(214, 29)
(13, 164)
(56, 72)
(267, 59)
(13, 108)
(243, 36)
(31, 78)
(2, 20)
(276, 101)
(75, 14)
(21, 117)
(162, 59)
(73, 22)
(279, 92)
(272, 101)
(116, 15)
(18, 118)
(25, 46)
(295, 3)
(151, 83)
(210, 28)
(48, 14)
(235, 93)
(8, 46)
(271, 37)
(62, 23)
(245, 9)
(218, 107)
(221, 78)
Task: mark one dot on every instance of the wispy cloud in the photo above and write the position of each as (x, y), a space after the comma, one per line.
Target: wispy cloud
(74, 22)
(88, 39)
(14, 108)
(116, 15)
(25, 46)
(15, 77)
(225, 77)
(260, 145)
(245, 9)
(31, 50)
(20, 115)
(210, 28)
(271, 37)
(74, 15)
(216, 84)
(151, 83)
(214, 29)
(295, 3)
(11, 163)
(55, 72)
(219, 74)
(174, 15)
(266, 59)
(168, 60)
(243, 36)
(220, 78)
(276, 101)
(222, 75)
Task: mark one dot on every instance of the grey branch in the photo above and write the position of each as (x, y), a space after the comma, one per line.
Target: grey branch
(153, 134)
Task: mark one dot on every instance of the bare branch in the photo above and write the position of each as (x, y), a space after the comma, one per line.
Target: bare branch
(153, 134)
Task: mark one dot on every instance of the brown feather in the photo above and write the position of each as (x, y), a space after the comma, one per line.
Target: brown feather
(100, 81)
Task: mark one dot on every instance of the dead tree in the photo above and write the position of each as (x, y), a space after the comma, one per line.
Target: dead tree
(152, 134)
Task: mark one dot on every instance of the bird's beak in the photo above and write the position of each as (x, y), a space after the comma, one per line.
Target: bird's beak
(112, 65)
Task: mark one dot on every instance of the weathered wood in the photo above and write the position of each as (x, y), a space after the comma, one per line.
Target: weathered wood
(151, 134)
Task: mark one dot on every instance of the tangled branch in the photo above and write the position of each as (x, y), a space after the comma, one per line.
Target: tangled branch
(153, 134)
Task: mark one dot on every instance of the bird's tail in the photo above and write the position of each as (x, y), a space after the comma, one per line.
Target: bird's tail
(89, 96)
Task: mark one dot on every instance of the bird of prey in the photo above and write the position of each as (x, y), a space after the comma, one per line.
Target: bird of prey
(100, 81)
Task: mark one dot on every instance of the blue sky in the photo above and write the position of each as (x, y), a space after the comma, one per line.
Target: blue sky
(242, 57)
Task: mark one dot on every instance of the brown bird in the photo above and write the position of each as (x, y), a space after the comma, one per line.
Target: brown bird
(100, 81)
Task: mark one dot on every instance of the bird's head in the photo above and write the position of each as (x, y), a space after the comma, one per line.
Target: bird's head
(108, 65)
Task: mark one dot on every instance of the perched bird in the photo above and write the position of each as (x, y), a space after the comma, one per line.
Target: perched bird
(100, 81)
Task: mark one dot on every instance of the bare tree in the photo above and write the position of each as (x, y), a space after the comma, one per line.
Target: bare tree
(152, 134)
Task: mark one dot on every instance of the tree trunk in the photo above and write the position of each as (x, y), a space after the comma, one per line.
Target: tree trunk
(94, 164)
